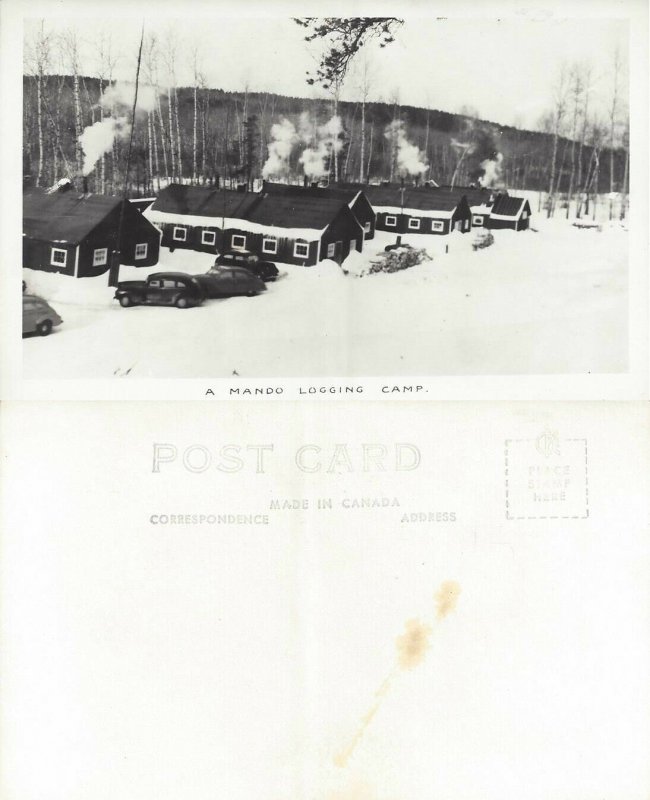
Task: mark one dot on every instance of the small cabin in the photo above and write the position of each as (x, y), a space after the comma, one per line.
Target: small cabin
(351, 194)
(510, 212)
(419, 210)
(75, 234)
(302, 229)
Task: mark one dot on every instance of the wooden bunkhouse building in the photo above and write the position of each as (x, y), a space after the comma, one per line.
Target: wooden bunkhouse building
(75, 234)
(352, 195)
(293, 229)
(410, 209)
(479, 199)
(510, 212)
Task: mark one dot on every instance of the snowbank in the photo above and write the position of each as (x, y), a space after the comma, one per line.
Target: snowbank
(533, 303)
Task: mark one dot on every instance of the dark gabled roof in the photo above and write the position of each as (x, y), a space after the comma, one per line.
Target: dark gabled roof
(422, 199)
(296, 211)
(346, 194)
(475, 195)
(302, 208)
(204, 201)
(64, 216)
(508, 206)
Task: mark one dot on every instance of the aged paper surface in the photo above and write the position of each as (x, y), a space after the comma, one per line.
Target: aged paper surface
(412, 602)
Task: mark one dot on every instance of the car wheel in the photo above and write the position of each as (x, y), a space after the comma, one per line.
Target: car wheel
(251, 293)
(125, 301)
(44, 328)
(181, 302)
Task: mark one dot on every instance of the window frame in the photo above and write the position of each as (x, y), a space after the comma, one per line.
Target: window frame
(331, 250)
(270, 240)
(54, 263)
(478, 219)
(181, 228)
(437, 226)
(146, 250)
(210, 233)
(392, 224)
(414, 227)
(367, 227)
(234, 246)
(103, 263)
(296, 245)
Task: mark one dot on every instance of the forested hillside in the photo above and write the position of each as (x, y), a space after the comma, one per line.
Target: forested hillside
(205, 135)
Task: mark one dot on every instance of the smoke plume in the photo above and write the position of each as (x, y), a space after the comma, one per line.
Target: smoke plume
(117, 99)
(410, 160)
(284, 138)
(491, 177)
(323, 141)
(319, 141)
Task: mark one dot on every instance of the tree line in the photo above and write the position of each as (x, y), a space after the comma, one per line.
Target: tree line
(203, 135)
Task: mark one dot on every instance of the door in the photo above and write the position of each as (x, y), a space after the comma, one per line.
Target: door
(353, 245)
(458, 225)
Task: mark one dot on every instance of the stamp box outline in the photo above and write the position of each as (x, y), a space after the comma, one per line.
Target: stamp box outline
(555, 516)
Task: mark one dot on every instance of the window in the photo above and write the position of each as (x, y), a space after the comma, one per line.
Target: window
(477, 219)
(238, 242)
(208, 237)
(437, 225)
(180, 234)
(58, 257)
(524, 214)
(390, 221)
(141, 250)
(367, 227)
(414, 224)
(301, 250)
(270, 245)
(100, 257)
(331, 250)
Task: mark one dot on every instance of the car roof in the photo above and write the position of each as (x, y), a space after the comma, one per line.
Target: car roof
(34, 297)
(174, 275)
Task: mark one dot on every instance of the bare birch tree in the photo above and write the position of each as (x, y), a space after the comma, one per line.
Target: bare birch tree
(557, 121)
(70, 44)
(37, 62)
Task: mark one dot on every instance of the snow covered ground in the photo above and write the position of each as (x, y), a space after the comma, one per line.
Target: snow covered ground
(551, 301)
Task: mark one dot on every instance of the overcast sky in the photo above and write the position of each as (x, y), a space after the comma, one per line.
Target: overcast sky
(504, 69)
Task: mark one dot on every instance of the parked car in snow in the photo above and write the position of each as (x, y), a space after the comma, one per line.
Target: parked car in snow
(266, 270)
(38, 316)
(161, 289)
(230, 282)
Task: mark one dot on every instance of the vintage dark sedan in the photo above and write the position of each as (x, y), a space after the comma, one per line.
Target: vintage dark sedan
(230, 282)
(161, 289)
(266, 270)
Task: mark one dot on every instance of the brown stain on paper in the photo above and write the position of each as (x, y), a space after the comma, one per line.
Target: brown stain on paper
(411, 649)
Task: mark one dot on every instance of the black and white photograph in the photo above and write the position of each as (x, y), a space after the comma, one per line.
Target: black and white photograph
(244, 197)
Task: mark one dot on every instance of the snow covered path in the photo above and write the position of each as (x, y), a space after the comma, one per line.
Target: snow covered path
(534, 303)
